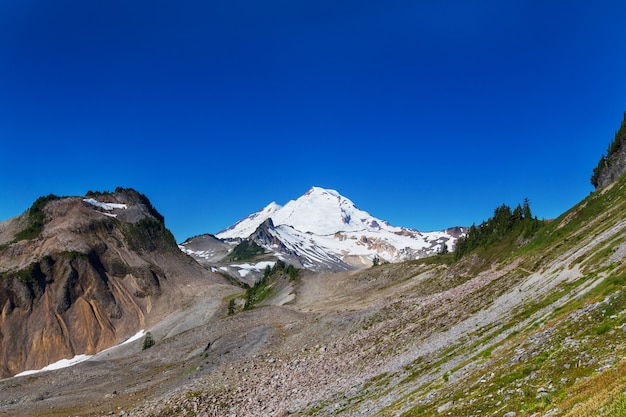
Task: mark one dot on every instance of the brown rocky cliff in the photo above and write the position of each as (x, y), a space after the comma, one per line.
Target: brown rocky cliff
(88, 281)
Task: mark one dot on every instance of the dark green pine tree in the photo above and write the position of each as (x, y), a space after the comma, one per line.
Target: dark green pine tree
(518, 215)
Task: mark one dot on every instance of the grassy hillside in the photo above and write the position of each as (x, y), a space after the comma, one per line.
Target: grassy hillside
(557, 349)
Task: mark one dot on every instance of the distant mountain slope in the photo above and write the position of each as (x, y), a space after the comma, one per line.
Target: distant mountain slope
(324, 231)
(80, 274)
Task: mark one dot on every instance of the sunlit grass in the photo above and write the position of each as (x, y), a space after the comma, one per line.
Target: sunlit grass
(602, 395)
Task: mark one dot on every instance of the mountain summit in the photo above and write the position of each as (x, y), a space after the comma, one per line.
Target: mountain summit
(319, 211)
(324, 231)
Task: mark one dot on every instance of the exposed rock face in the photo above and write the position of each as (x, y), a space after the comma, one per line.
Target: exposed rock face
(95, 275)
(456, 232)
(264, 237)
(611, 166)
(206, 249)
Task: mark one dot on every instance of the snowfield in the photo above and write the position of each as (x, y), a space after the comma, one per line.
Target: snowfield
(319, 211)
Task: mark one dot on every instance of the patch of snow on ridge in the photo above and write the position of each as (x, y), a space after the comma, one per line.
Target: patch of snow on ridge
(138, 336)
(199, 253)
(104, 206)
(64, 363)
(246, 268)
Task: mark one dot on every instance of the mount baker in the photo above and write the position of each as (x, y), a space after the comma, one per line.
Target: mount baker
(321, 231)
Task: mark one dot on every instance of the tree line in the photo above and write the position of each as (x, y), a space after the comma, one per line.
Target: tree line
(504, 223)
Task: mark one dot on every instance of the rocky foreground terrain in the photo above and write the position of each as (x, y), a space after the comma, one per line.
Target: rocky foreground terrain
(530, 327)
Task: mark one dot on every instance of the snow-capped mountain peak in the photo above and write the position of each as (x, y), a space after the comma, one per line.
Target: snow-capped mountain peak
(319, 211)
(324, 230)
(323, 212)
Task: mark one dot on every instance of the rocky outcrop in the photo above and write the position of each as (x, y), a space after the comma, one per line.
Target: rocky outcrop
(206, 249)
(265, 238)
(613, 164)
(611, 167)
(94, 275)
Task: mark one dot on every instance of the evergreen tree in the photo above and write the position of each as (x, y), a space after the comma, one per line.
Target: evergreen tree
(148, 341)
(518, 214)
(503, 224)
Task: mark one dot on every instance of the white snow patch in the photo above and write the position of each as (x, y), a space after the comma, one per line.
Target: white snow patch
(254, 267)
(138, 336)
(259, 265)
(105, 206)
(64, 363)
(206, 254)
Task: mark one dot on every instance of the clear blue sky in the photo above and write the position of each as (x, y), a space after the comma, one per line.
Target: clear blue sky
(427, 114)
